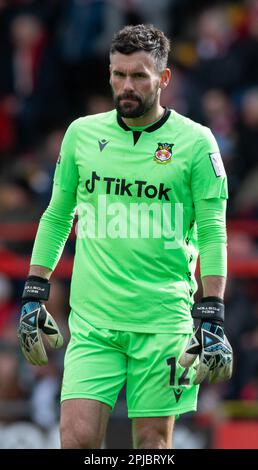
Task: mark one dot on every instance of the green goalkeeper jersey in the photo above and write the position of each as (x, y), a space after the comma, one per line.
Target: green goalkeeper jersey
(136, 190)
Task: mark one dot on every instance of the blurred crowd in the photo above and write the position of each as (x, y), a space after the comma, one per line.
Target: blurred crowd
(53, 69)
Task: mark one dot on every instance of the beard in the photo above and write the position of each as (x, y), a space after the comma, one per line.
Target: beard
(133, 108)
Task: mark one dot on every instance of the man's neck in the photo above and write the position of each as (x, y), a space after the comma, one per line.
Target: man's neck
(150, 117)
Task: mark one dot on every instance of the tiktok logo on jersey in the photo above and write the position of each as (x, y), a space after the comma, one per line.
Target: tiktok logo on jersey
(154, 215)
(120, 187)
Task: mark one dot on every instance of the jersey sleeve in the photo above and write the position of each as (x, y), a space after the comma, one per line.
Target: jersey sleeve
(212, 236)
(66, 173)
(54, 228)
(208, 178)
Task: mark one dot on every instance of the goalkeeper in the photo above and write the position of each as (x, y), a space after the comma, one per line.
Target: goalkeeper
(150, 191)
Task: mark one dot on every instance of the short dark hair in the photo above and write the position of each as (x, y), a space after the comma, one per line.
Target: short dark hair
(142, 38)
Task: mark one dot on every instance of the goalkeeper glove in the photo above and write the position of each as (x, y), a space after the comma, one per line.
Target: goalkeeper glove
(209, 343)
(34, 320)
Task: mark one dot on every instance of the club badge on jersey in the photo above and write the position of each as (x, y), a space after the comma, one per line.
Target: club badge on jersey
(163, 153)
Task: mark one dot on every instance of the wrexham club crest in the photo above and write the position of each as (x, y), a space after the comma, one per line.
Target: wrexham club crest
(163, 153)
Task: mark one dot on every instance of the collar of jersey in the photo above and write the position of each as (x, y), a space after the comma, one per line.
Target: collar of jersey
(153, 127)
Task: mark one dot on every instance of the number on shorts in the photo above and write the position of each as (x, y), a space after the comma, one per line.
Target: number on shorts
(183, 379)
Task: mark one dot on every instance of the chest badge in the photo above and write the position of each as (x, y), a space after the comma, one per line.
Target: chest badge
(163, 153)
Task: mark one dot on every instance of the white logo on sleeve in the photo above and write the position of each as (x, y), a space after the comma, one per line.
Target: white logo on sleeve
(217, 164)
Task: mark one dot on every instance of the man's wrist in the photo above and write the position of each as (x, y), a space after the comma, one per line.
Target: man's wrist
(212, 298)
(35, 289)
(209, 309)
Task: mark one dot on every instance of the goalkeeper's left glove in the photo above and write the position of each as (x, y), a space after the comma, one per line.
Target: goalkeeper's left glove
(35, 320)
(209, 342)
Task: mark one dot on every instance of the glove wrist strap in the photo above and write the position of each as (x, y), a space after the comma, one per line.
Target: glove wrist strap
(209, 310)
(36, 288)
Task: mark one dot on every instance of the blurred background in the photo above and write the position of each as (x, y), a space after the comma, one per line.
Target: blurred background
(53, 69)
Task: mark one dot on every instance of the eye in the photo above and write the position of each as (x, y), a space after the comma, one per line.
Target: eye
(116, 73)
(140, 75)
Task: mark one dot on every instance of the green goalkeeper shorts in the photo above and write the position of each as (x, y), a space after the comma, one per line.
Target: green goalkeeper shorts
(99, 361)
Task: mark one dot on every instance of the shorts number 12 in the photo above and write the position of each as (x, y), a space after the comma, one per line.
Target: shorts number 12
(183, 379)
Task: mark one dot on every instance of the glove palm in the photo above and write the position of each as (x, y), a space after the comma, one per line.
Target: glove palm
(210, 343)
(35, 320)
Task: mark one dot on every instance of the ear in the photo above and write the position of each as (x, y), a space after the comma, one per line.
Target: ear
(110, 73)
(165, 78)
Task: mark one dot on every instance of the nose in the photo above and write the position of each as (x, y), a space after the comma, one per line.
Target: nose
(128, 84)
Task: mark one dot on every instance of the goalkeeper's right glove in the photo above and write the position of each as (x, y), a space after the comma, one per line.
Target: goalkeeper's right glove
(34, 320)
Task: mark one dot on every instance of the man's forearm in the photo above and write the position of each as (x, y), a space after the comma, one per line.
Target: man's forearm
(40, 271)
(212, 240)
(213, 286)
(53, 231)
